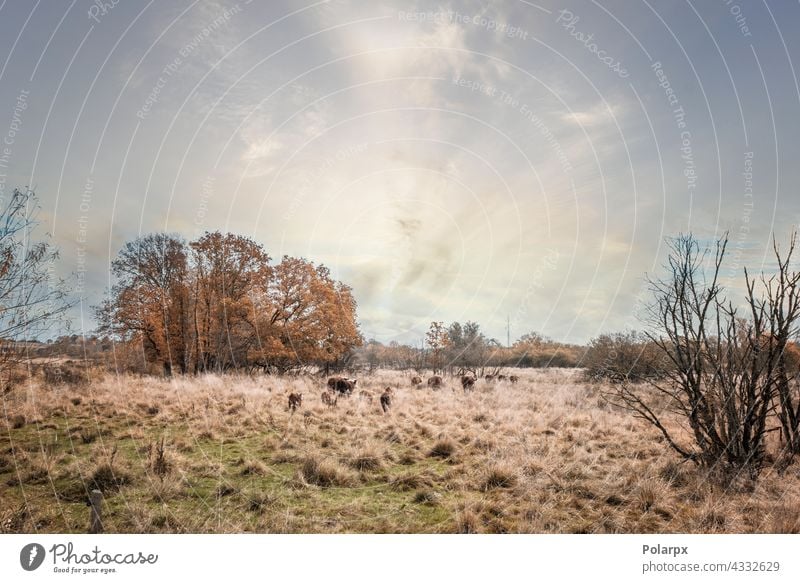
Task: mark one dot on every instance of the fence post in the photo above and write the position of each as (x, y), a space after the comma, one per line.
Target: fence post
(96, 510)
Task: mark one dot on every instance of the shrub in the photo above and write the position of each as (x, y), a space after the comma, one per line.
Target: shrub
(623, 356)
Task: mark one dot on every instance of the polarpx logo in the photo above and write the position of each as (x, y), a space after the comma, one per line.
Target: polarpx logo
(31, 556)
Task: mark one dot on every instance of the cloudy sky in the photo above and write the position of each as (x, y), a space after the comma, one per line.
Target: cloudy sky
(449, 160)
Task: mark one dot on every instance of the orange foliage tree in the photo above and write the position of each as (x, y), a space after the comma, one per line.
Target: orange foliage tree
(216, 304)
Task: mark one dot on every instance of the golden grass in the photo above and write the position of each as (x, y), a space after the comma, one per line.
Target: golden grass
(544, 455)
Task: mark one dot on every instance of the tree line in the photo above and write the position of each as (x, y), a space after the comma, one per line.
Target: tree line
(460, 348)
(219, 303)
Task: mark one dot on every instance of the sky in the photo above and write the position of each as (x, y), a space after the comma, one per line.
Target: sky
(507, 162)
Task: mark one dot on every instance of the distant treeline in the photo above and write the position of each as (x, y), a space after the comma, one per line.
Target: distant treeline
(464, 348)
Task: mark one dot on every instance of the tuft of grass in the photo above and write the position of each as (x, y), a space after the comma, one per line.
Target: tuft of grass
(259, 502)
(427, 497)
(254, 468)
(323, 472)
(444, 448)
(106, 479)
(366, 460)
(410, 481)
(500, 476)
(647, 494)
(673, 474)
(467, 522)
(224, 490)
(786, 519)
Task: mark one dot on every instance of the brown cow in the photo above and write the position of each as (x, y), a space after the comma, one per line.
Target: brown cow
(329, 399)
(435, 381)
(342, 385)
(386, 399)
(467, 382)
(513, 379)
(295, 400)
(501, 377)
(489, 378)
(416, 381)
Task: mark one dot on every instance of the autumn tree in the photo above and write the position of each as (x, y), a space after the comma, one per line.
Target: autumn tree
(305, 316)
(228, 271)
(437, 340)
(149, 301)
(216, 304)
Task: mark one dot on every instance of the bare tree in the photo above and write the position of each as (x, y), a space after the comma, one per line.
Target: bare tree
(713, 404)
(780, 302)
(32, 299)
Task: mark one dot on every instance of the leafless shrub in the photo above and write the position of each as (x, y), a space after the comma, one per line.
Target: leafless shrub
(722, 377)
(159, 462)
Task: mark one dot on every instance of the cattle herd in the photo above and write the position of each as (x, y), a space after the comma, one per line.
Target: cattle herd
(344, 387)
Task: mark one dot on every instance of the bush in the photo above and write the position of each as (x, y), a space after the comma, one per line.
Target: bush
(623, 356)
(65, 374)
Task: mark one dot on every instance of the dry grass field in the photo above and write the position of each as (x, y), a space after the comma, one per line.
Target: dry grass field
(224, 454)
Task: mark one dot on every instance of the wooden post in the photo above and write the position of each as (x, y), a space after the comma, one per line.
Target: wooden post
(96, 510)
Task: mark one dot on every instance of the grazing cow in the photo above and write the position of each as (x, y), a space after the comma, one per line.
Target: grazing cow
(501, 377)
(416, 381)
(513, 379)
(295, 400)
(328, 399)
(342, 385)
(467, 382)
(365, 395)
(386, 399)
(489, 378)
(435, 381)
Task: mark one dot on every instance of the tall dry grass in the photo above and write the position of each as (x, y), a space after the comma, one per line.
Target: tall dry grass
(225, 454)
